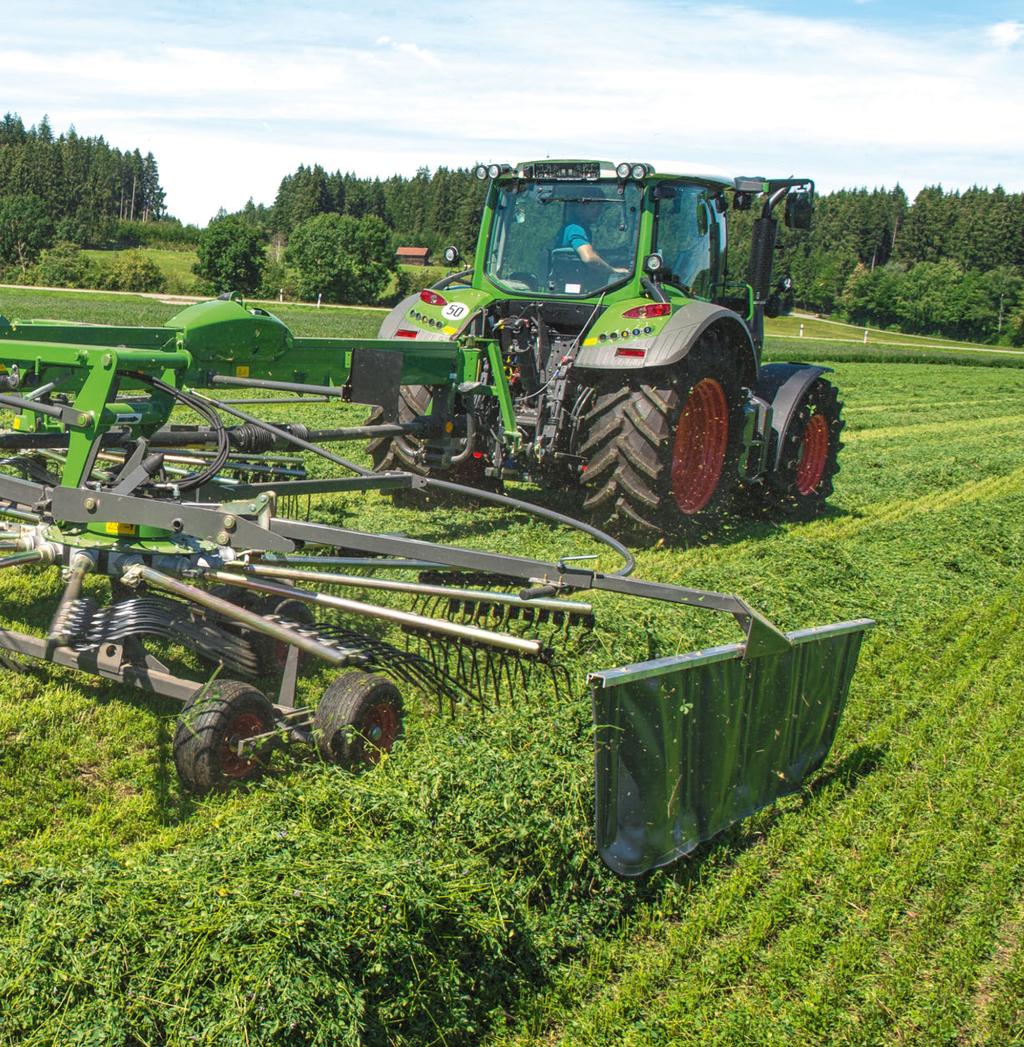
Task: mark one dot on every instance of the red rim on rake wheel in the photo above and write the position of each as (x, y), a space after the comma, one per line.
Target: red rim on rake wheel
(813, 455)
(209, 730)
(380, 729)
(243, 725)
(702, 436)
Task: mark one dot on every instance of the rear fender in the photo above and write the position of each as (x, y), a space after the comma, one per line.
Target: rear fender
(783, 386)
(675, 340)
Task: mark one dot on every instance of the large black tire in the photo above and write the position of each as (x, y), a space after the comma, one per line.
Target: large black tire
(203, 750)
(662, 447)
(400, 452)
(359, 718)
(802, 484)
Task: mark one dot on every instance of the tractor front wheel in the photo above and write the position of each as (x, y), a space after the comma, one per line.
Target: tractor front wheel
(662, 447)
(802, 483)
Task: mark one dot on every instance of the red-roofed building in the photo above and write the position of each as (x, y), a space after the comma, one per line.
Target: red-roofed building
(413, 255)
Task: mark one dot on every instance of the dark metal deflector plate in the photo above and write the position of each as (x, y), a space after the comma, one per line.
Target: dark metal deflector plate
(685, 746)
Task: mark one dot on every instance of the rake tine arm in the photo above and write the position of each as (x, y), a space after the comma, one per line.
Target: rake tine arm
(762, 636)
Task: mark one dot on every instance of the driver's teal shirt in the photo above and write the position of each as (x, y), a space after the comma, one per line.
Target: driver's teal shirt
(574, 236)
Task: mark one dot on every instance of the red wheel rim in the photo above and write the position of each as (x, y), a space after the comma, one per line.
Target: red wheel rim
(813, 455)
(699, 448)
(243, 725)
(380, 729)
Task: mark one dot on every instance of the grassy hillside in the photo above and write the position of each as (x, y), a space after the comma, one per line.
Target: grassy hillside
(452, 895)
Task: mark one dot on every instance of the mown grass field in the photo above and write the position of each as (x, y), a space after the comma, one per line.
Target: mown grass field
(452, 896)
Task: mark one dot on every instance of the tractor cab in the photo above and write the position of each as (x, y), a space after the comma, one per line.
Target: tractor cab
(581, 229)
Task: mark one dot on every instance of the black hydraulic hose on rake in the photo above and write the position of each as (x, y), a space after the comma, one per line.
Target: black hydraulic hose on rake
(504, 500)
(197, 404)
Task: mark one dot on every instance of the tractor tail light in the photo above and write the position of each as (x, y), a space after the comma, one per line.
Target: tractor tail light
(645, 312)
(403, 333)
(432, 298)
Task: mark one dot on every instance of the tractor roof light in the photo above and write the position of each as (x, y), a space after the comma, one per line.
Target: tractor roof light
(623, 170)
(639, 171)
(481, 172)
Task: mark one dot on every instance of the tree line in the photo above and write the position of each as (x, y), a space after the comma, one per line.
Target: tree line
(946, 262)
(72, 188)
(949, 262)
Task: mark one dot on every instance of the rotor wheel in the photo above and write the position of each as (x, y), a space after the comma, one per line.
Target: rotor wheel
(801, 485)
(390, 453)
(358, 719)
(208, 730)
(663, 446)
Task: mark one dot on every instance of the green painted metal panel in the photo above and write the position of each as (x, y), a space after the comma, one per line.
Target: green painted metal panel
(685, 746)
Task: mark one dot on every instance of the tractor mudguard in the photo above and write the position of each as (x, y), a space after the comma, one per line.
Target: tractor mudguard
(436, 323)
(687, 745)
(783, 387)
(391, 323)
(675, 340)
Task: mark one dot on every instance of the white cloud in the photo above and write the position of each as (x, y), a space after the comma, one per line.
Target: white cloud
(1005, 34)
(413, 50)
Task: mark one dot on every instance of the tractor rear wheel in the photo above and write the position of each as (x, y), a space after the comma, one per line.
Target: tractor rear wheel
(401, 452)
(802, 483)
(663, 447)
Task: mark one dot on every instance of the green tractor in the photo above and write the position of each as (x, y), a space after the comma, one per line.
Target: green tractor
(631, 356)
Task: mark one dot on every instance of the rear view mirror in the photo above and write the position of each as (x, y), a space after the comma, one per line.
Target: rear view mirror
(799, 208)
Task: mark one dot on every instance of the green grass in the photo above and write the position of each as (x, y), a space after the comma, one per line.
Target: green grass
(175, 265)
(452, 895)
(97, 307)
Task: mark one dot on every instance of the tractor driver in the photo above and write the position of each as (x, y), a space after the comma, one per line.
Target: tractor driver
(576, 234)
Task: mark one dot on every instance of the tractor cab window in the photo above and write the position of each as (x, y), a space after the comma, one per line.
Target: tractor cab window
(563, 238)
(687, 236)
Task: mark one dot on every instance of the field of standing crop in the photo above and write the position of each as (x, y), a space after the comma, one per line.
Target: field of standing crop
(452, 896)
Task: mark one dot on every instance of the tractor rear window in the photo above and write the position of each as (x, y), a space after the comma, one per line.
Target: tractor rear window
(563, 238)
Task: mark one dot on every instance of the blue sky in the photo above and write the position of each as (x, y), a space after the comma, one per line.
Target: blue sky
(230, 97)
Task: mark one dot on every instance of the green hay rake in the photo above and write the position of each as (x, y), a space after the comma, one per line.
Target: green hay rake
(187, 523)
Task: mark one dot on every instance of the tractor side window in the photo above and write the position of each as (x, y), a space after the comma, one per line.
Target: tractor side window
(686, 237)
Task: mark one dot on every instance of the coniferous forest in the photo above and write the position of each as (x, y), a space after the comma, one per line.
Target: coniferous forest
(946, 262)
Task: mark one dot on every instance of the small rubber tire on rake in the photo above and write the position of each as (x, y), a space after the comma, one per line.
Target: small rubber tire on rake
(358, 719)
(210, 726)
